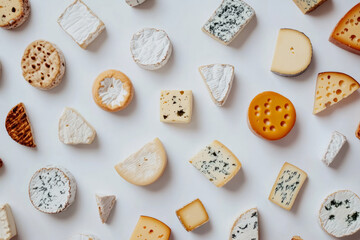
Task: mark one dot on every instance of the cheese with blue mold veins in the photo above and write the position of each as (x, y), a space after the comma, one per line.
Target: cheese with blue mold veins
(307, 6)
(228, 20)
(246, 227)
(7, 223)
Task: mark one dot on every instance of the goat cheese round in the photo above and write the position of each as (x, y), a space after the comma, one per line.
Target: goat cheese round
(52, 189)
(339, 214)
(151, 48)
(246, 226)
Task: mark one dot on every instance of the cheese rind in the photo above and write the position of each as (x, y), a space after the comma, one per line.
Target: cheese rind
(228, 20)
(217, 163)
(218, 79)
(176, 106)
(307, 6)
(357, 133)
(287, 186)
(246, 227)
(149, 228)
(339, 214)
(293, 53)
(192, 215)
(331, 88)
(336, 143)
(7, 223)
(296, 238)
(105, 204)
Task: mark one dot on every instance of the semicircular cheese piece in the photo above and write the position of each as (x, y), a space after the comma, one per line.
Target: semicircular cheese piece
(149, 228)
(113, 91)
(271, 115)
(145, 166)
(218, 79)
(151, 48)
(331, 88)
(246, 227)
(339, 214)
(293, 53)
(134, 3)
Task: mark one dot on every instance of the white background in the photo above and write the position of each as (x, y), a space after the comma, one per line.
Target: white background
(122, 133)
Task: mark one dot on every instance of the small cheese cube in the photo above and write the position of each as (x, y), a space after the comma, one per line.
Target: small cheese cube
(193, 215)
(7, 223)
(287, 186)
(176, 106)
(149, 228)
(307, 6)
(336, 143)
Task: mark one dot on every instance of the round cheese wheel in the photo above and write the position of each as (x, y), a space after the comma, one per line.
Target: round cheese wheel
(13, 13)
(271, 115)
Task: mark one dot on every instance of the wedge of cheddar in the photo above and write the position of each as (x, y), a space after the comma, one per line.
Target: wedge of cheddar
(346, 33)
(149, 228)
(331, 88)
(293, 53)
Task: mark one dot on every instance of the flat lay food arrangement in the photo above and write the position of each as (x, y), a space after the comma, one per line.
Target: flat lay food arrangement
(158, 120)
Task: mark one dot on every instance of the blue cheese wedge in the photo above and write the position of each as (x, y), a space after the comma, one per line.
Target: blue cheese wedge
(287, 186)
(217, 163)
(307, 6)
(246, 227)
(176, 106)
(7, 223)
(52, 189)
(228, 20)
(339, 214)
(336, 143)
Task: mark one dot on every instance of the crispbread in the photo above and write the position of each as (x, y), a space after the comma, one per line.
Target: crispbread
(43, 64)
(13, 13)
(18, 126)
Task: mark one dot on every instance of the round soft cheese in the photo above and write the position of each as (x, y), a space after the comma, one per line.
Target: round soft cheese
(246, 226)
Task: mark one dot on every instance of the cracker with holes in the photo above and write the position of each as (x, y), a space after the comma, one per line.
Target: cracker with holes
(271, 116)
(176, 106)
(43, 64)
(13, 13)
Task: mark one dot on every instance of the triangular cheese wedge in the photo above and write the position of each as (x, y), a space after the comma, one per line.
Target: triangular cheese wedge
(74, 129)
(331, 88)
(105, 204)
(218, 79)
(346, 34)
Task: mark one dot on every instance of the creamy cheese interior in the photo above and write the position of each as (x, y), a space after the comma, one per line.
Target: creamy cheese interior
(112, 92)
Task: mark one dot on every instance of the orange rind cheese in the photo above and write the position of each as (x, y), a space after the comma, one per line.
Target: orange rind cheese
(271, 115)
(357, 133)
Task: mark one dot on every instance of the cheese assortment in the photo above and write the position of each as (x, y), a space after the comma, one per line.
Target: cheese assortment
(246, 227)
(149, 228)
(192, 215)
(307, 6)
(14, 13)
(176, 106)
(7, 223)
(105, 204)
(337, 141)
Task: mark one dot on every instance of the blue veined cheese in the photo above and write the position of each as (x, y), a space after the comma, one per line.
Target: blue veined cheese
(336, 143)
(217, 163)
(246, 227)
(339, 214)
(228, 20)
(287, 186)
(308, 5)
(7, 223)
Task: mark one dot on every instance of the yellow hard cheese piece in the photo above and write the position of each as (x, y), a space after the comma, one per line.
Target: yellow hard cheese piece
(307, 6)
(176, 106)
(149, 228)
(332, 87)
(287, 186)
(346, 34)
(271, 115)
(293, 53)
(7, 223)
(193, 215)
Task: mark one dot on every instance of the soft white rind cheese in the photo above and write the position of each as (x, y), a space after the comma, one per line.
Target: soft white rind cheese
(151, 48)
(339, 214)
(112, 92)
(218, 79)
(134, 3)
(336, 143)
(74, 129)
(105, 204)
(246, 227)
(81, 23)
(7, 223)
(84, 237)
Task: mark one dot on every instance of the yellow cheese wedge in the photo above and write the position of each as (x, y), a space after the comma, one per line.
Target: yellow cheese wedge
(149, 228)
(346, 33)
(293, 53)
(193, 215)
(332, 87)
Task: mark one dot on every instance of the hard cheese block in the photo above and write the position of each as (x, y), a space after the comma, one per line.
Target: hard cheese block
(193, 215)
(228, 20)
(339, 214)
(217, 163)
(293, 53)
(271, 115)
(7, 223)
(307, 6)
(336, 143)
(331, 88)
(176, 106)
(246, 227)
(149, 228)
(346, 33)
(287, 186)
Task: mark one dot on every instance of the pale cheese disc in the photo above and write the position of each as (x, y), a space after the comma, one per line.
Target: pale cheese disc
(246, 227)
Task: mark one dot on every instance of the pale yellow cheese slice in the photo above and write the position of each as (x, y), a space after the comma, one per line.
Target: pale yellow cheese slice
(193, 215)
(149, 228)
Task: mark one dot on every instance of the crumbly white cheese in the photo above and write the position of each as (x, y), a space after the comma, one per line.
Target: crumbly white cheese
(112, 92)
(340, 214)
(105, 204)
(336, 143)
(7, 223)
(134, 3)
(151, 48)
(246, 227)
(84, 237)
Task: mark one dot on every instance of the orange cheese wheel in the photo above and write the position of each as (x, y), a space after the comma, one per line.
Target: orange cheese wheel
(271, 115)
